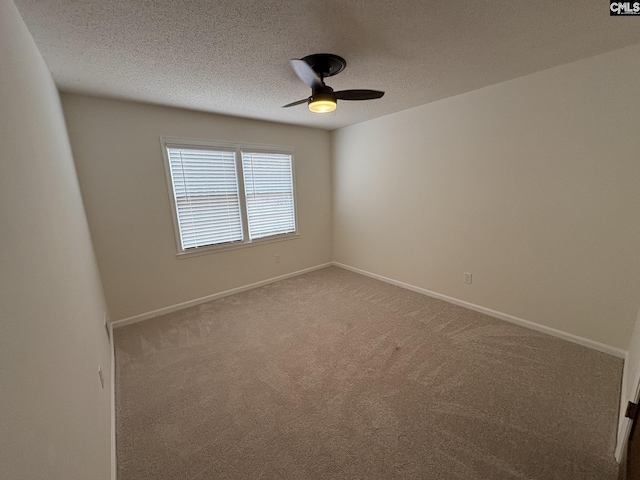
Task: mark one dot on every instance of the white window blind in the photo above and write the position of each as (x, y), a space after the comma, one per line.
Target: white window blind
(268, 186)
(205, 187)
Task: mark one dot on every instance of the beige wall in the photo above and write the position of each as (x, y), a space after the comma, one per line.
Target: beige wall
(119, 161)
(532, 185)
(54, 415)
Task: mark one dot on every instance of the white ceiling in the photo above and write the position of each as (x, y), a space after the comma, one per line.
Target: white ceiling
(231, 56)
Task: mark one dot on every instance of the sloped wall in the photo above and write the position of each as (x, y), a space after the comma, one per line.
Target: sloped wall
(54, 416)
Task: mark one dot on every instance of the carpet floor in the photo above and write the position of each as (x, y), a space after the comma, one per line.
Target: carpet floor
(333, 375)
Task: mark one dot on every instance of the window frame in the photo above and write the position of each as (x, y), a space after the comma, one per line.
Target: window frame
(238, 148)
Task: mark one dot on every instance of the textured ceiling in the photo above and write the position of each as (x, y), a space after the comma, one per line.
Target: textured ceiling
(231, 56)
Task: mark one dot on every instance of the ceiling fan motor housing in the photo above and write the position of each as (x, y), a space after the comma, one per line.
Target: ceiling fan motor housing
(322, 93)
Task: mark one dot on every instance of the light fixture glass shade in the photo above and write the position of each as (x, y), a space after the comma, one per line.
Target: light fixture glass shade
(322, 106)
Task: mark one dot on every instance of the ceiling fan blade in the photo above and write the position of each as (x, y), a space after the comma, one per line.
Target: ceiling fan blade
(306, 73)
(293, 104)
(358, 94)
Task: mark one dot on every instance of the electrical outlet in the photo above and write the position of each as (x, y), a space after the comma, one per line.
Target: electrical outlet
(467, 277)
(277, 258)
(101, 376)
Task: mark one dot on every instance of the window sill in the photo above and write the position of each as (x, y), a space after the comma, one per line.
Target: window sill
(234, 246)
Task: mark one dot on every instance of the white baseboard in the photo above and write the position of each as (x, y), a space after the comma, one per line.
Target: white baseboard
(208, 298)
(624, 424)
(623, 438)
(114, 462)
(601, 347)
(617, 352)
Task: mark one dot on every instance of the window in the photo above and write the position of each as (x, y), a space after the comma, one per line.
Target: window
(229, 195)
(268, 188)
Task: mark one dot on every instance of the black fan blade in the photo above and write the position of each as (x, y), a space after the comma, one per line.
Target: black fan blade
(306, 73)
(358, 94)
(299, 102)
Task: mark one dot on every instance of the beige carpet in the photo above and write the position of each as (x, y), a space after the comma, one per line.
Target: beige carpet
(335, 375)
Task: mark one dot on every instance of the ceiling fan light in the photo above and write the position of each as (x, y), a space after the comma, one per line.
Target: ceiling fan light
(322, 105)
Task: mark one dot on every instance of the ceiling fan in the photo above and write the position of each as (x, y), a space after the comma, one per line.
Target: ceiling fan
(312, 70)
